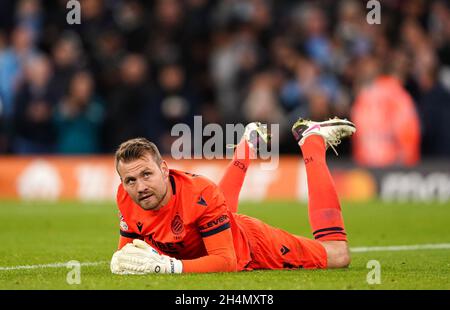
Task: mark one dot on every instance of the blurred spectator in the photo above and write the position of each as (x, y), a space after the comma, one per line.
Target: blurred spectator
(176, 101)
(107, 58)
(435, 114)
(434, 106)
(29, 14)
(170, 42)
(262, 101)
(310, 93)
(388, 130)
(12, 62)
(130, 110)
(312, 24)
(439, 25)
(33, 107)
(67, 59)
(131, 18)
(237, 51)
(96, 17)
(233, 61)
(78, 118)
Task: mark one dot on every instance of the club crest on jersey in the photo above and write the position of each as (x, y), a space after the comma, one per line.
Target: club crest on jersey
(177, 225)
(123, 225)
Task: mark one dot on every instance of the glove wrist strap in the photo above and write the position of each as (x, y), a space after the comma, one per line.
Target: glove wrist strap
(176, 266)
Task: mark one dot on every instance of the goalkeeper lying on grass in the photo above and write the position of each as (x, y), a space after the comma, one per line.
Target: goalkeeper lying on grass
(173, 222)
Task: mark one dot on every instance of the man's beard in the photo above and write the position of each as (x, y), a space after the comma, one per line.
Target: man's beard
(158, 204)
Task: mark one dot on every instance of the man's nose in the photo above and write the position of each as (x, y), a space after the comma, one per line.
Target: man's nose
(141, 187)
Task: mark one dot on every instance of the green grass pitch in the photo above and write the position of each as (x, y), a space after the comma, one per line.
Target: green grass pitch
(47, 233)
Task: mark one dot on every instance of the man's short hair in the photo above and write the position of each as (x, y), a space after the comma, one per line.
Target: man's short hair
(137, 148)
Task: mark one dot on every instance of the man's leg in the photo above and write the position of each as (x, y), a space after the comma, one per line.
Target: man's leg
(324, 208)
(233, 178)
(274, 248)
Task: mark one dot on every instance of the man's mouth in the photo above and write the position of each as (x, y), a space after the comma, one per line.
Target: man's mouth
(145, 197)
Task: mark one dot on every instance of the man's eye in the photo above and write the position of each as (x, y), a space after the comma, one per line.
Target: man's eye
(130, 182)
(147, 174)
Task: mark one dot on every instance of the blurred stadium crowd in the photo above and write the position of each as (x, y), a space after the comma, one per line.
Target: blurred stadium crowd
(136, 68)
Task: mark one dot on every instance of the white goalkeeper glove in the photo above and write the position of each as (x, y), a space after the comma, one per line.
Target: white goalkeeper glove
(140, 258)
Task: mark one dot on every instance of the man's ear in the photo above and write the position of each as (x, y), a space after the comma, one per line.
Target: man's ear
(164, 169)
(117, 170)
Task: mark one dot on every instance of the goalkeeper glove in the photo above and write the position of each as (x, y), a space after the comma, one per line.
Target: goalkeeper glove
(140, 258)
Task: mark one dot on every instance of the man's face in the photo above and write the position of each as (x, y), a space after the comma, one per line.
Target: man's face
(145, 181)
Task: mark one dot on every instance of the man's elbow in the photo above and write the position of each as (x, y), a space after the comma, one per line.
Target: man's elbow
(338, 254)
(343, 261)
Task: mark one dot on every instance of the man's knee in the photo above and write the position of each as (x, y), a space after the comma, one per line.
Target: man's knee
(338, 254)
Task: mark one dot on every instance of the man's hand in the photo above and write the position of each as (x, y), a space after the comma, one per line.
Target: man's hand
(140, 258)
